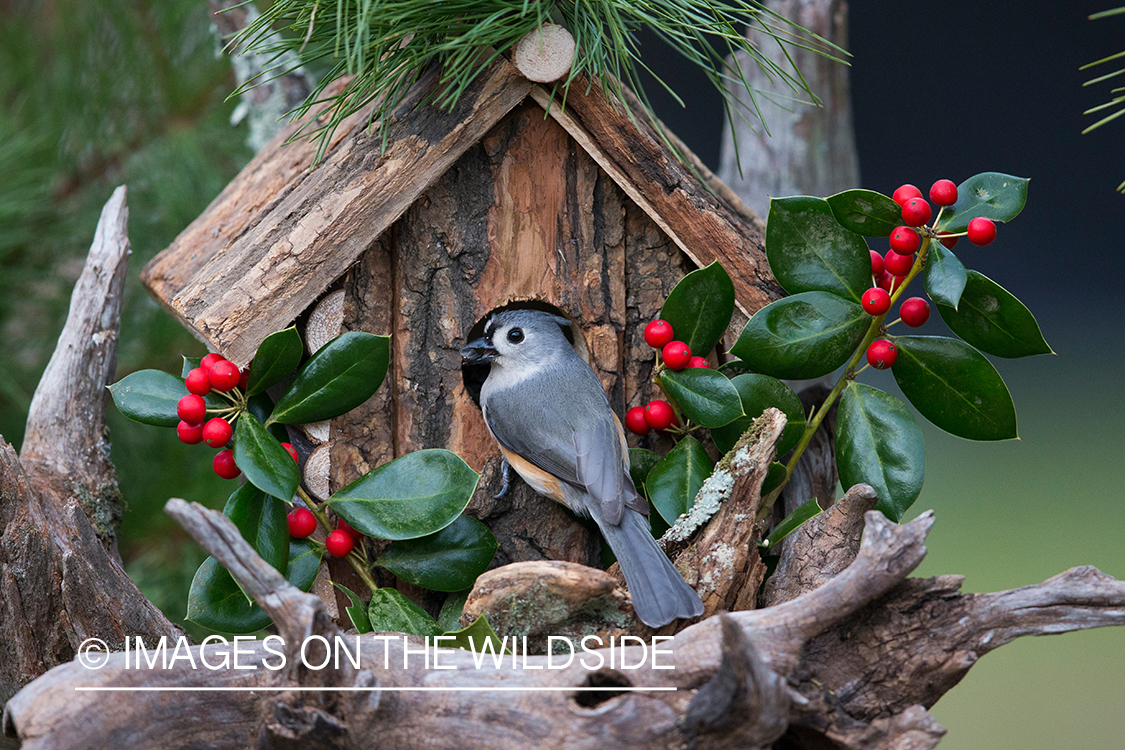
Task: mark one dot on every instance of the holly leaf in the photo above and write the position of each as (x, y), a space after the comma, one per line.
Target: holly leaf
(261, 519)
(451, 610)
(954, 386)
(412, 496)
(699, 308)
(808, 250)
(758, 393)
(803, 336)
(390, 611)
(993, 195)
(945, 276)
(266, 464)
(705, 396)
(674, 482)
(641, 462)
(791, 523)
(149, 397)
(878, 442)
(449, 560)
(477, 637)
(775, 475)
(276, 357)
(215, 601)
(866, 212)
(343, 374)
(357, 612)
(994, 321)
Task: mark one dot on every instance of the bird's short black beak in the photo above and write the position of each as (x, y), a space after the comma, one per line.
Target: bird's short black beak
(478, 351)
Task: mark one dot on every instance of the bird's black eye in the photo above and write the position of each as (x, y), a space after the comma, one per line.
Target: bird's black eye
(515, 335)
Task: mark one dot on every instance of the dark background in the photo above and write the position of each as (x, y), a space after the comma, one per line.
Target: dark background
(96, 93)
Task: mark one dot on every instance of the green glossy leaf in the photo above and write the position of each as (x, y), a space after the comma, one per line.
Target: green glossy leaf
(878, 442)
(412, 496)
(215, 600)
(674, 482)
(277, 356)
(866, 212)
(341, 376)
(993, 195)
(266, 464)
(390, 611)
(945, 276)
(451, 610)
(758, 393)
(775, 475)
(261, 406)
(792, 522)
(449, 560)
(734, 368)
(149, 396)
(357, 612)
(809, 251)
(952, 384)
(641, 462)
(475, 636)
(705, 396)
(994, 321)
(699, 308)
(262, 521)
(803, 336)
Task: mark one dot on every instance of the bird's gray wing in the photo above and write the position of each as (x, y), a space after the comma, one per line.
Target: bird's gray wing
(565, 426)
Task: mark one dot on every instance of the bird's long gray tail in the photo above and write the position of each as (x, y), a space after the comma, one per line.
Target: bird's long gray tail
(660, 594)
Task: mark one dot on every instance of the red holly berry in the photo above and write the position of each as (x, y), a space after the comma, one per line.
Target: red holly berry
(339, 543)
(198, 382)
(192, 409)
(899, 265)
(699, 362)
(916, 212)
(343, 525)
(302, 523)
(635, 421)
(905, 240)
(224, 464)
(216, 433)
(192, 434)
(659, 415)
(881, 354)
(224, 376)
(948, 241)
(885, 281)
(292, 451)
(981, 231)
(876, 264)
(658, 333)
(676, 355)
(914, 311)
(905, 193)
(943, 193)
(210, 361)
(876, 301)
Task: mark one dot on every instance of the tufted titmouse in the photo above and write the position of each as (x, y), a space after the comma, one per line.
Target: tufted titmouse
(550, 415)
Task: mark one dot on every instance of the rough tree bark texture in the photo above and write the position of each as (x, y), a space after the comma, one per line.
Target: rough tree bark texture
(61, 579)
(850, 664)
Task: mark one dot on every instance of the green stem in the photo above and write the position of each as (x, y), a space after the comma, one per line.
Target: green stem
(849, 373)
(357, 563)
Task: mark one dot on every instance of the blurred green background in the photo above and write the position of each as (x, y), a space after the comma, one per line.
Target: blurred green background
(98, 93)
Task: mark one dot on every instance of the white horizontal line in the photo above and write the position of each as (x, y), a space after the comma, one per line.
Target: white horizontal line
(355, 689)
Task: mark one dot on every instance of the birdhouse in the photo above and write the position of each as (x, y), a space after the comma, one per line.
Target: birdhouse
(420, 225)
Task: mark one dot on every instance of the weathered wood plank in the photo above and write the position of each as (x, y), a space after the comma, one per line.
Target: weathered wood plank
(706, 225)
(268, 276)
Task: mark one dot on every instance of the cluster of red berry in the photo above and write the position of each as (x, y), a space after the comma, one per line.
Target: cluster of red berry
(889, 271)
(659, 414)
(340, 543)
(213, 374)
